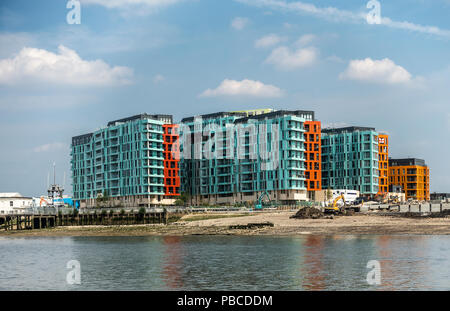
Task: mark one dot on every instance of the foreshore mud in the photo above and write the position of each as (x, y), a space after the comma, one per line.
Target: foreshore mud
(283, 225)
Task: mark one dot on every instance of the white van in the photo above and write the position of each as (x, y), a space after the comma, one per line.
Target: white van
(349, 195)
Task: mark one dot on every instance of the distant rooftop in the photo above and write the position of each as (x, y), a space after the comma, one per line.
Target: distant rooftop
(407, 162)
(347, 129)
(81, 139)
(167, 118)
(222, 114)
(85, 138)
(278, 113)
(253, 112)
(10, 195)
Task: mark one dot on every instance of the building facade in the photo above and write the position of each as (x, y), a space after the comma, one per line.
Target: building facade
(412, 176)
(350, 159)
(440, 196)
(123, 162)
(14, 203)
(240, 170)
(383, 162)
(313, 156)
(171, 160)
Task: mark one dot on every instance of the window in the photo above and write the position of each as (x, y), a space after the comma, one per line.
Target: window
(11, 203)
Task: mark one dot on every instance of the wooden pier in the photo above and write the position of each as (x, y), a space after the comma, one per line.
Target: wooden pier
(30, 222)
(27, 222)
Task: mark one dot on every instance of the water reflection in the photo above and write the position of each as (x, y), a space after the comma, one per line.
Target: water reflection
(226, 263)
(313, 260)
(403, 261)
(173, 262)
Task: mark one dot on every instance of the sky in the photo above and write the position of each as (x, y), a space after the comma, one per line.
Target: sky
(190, 57)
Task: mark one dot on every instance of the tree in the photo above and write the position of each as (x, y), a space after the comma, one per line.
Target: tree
(329, 194)
(103, 200)
(141, 213)
(182, 199)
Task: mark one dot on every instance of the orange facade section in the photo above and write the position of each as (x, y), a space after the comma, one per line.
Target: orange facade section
(171, 161)
(383, 160)
(313, 172)
(414, 180)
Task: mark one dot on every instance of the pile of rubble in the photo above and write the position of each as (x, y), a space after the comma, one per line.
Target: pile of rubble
(309, 213)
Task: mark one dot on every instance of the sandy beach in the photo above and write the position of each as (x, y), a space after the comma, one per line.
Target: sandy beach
(283, 225)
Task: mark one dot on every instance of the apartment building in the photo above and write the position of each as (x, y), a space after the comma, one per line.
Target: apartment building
(350, 159)
(313, 156)
(253, 153)
(383, 162)
(126, 162)
(171, 160)
(412, 176)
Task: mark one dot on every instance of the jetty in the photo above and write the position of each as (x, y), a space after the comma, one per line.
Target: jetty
(51, 218)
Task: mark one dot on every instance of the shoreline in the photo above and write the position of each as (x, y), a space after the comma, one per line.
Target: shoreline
(361, 224)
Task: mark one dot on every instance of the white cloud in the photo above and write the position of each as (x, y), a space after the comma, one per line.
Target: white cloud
(335, 59)
(269, 40)
(158, 78)
(305, 39)
(378, 71)
(286, 59)
(302, 7)
(432, 30)
(65, 67)
(338, 15)
(127, 3)
(49, 147)
(239, 23)
(243, 88)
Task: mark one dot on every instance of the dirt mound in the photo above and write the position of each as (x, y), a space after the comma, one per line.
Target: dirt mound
(308, 213)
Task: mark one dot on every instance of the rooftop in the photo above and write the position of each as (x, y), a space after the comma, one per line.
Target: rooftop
(142, 116)
(10, 195)
(222, 114)
(348, 129)
(407, 162)
(278, 113)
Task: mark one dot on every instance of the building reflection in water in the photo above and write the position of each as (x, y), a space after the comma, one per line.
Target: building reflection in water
(313, 263)
(173, 261)
(403, 262)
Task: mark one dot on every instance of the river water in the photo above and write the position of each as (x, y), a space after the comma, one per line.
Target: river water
(225, 263)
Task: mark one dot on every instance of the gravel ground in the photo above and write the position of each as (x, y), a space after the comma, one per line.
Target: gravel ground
(283, 225)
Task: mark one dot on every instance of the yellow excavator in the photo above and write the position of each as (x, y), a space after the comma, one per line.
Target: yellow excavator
(335, 209)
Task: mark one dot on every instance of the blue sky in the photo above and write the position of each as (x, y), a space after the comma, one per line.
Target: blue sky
(188, 57)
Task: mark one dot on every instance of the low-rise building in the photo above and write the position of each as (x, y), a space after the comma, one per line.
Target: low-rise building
(412, 175)
(14, 202)
(440, 196)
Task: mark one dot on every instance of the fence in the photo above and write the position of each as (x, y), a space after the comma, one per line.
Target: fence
(411, 208)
